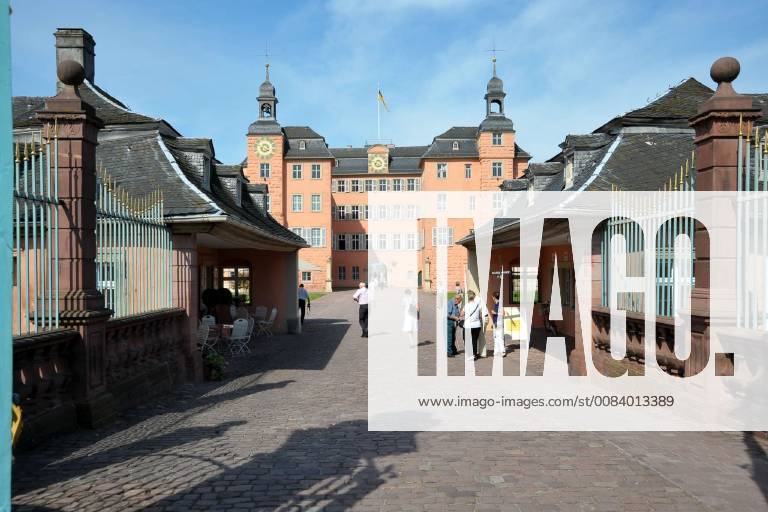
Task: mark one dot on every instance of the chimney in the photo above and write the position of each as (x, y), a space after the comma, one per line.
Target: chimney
(75, 44)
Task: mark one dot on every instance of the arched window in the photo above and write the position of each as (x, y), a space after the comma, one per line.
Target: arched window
(455, 145)
(495, 107)
(302, 144)
(266, 110)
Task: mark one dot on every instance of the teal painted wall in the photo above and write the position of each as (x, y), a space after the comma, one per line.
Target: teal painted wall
(6, 252)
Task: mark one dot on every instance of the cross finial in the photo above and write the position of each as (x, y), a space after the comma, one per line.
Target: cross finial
(266, 56)
(493, 51)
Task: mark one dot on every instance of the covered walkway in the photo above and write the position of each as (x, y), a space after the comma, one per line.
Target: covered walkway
(287, 431)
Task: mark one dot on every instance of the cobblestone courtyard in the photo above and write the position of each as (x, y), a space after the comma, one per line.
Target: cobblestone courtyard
(287, 431)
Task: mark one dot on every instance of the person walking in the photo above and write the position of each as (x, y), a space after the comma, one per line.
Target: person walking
(304, 302)
(410, 316)
(457, 290)
(475, 314)
(498, 336)
(361, 297)
(454, 319)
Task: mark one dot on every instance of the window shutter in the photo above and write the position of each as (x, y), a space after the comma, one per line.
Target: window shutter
(334, 186)
(322, 235)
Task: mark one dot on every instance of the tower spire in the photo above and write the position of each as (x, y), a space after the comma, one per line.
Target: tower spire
(266, 66)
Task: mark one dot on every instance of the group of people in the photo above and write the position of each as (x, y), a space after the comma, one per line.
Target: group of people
(472, 316)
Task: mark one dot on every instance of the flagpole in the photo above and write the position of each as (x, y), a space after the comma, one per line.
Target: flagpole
(378, 112)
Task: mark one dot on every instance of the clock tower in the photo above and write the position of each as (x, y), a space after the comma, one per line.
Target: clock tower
(266, 146)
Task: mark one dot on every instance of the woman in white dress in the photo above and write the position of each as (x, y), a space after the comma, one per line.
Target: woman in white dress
(410, 316)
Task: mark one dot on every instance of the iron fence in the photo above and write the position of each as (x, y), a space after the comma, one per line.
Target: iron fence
(36, 235)
(630, 214)
(134, 265)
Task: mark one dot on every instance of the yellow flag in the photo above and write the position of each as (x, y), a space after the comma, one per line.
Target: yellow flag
(380, 97)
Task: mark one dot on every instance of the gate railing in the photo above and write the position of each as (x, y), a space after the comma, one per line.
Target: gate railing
(752, 229)
(36, 235)
(133, 261)
(629, 214)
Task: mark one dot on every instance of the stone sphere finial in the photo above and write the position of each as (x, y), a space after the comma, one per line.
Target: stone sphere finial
(70, 72)
(725, 70)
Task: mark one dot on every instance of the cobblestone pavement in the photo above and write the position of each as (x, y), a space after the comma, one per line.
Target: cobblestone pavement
(287, 431)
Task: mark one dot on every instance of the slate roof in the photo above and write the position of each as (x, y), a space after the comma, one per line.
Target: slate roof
(300, 132)
(497, 123)
(459, 132)
(674, 108)
(442, 148)
(644, 161)
(402, 160)
(516, 184)
(141, 165)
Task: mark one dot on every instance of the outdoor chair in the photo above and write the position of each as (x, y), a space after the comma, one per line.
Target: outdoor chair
(207, 338)
(260, 313)
(208, 320)
(238, 341)
(265, 326)
(251, 328)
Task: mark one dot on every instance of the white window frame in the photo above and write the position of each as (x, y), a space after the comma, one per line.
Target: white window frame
(354, 186)
(354, 212)
(370, 185)
(383, 185)
(442, 236)
(496, 139)
(301, 203)
(297, 175)
(500, 167)
(397, 184)
(442, 171)
(341, 185)
(467, 171)
(265, 169)
(317, 200)
(341, 212)
(317, 172)
(306, 276)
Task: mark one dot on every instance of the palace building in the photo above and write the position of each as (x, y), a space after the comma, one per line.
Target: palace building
(320, 192)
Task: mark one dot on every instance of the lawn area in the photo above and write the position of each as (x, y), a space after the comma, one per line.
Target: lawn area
(315, 295)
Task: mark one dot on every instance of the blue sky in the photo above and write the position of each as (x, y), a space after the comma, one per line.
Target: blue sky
(568, 66)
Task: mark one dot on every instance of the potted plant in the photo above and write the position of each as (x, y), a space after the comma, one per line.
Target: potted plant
(213, 366)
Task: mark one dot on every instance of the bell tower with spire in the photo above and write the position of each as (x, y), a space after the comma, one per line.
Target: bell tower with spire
(267, 99)
(266, 150)
(496, 137)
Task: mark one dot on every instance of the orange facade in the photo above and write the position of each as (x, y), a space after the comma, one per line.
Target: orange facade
(322, 193)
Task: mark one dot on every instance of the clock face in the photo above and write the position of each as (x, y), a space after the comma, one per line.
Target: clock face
(264, 147)
(377, 163)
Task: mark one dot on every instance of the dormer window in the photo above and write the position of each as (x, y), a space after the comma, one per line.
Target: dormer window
(455, 145)
(207, 173)
(302, 145)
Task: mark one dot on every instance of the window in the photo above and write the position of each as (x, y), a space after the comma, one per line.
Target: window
(411, 212)
(355, 273)
(442, 171)
(306, 276)
(567, 284)
(267, 203)
(467, 171)
(342, 273)
(341, 212)
(297, 171)
(396, 241)
(302, 145)
(411, 184)
(410, 241)
(365, 212)
(442, 202)
(365, 242)
(382, 242)
(316, 202)
(496, 139)
(396, 211)
(297, 202)
(397, 184)
(355, 186)
(355, 242)
(264, 170)
(382, 185)
(472, 203)
(237, 280)
(341, 185)
(341, 242)
(496, 169)
(316, 171)
(455, 146)
(317, 237)
(496, 201)
(369, 185)
(355, 212)
(442, 236)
